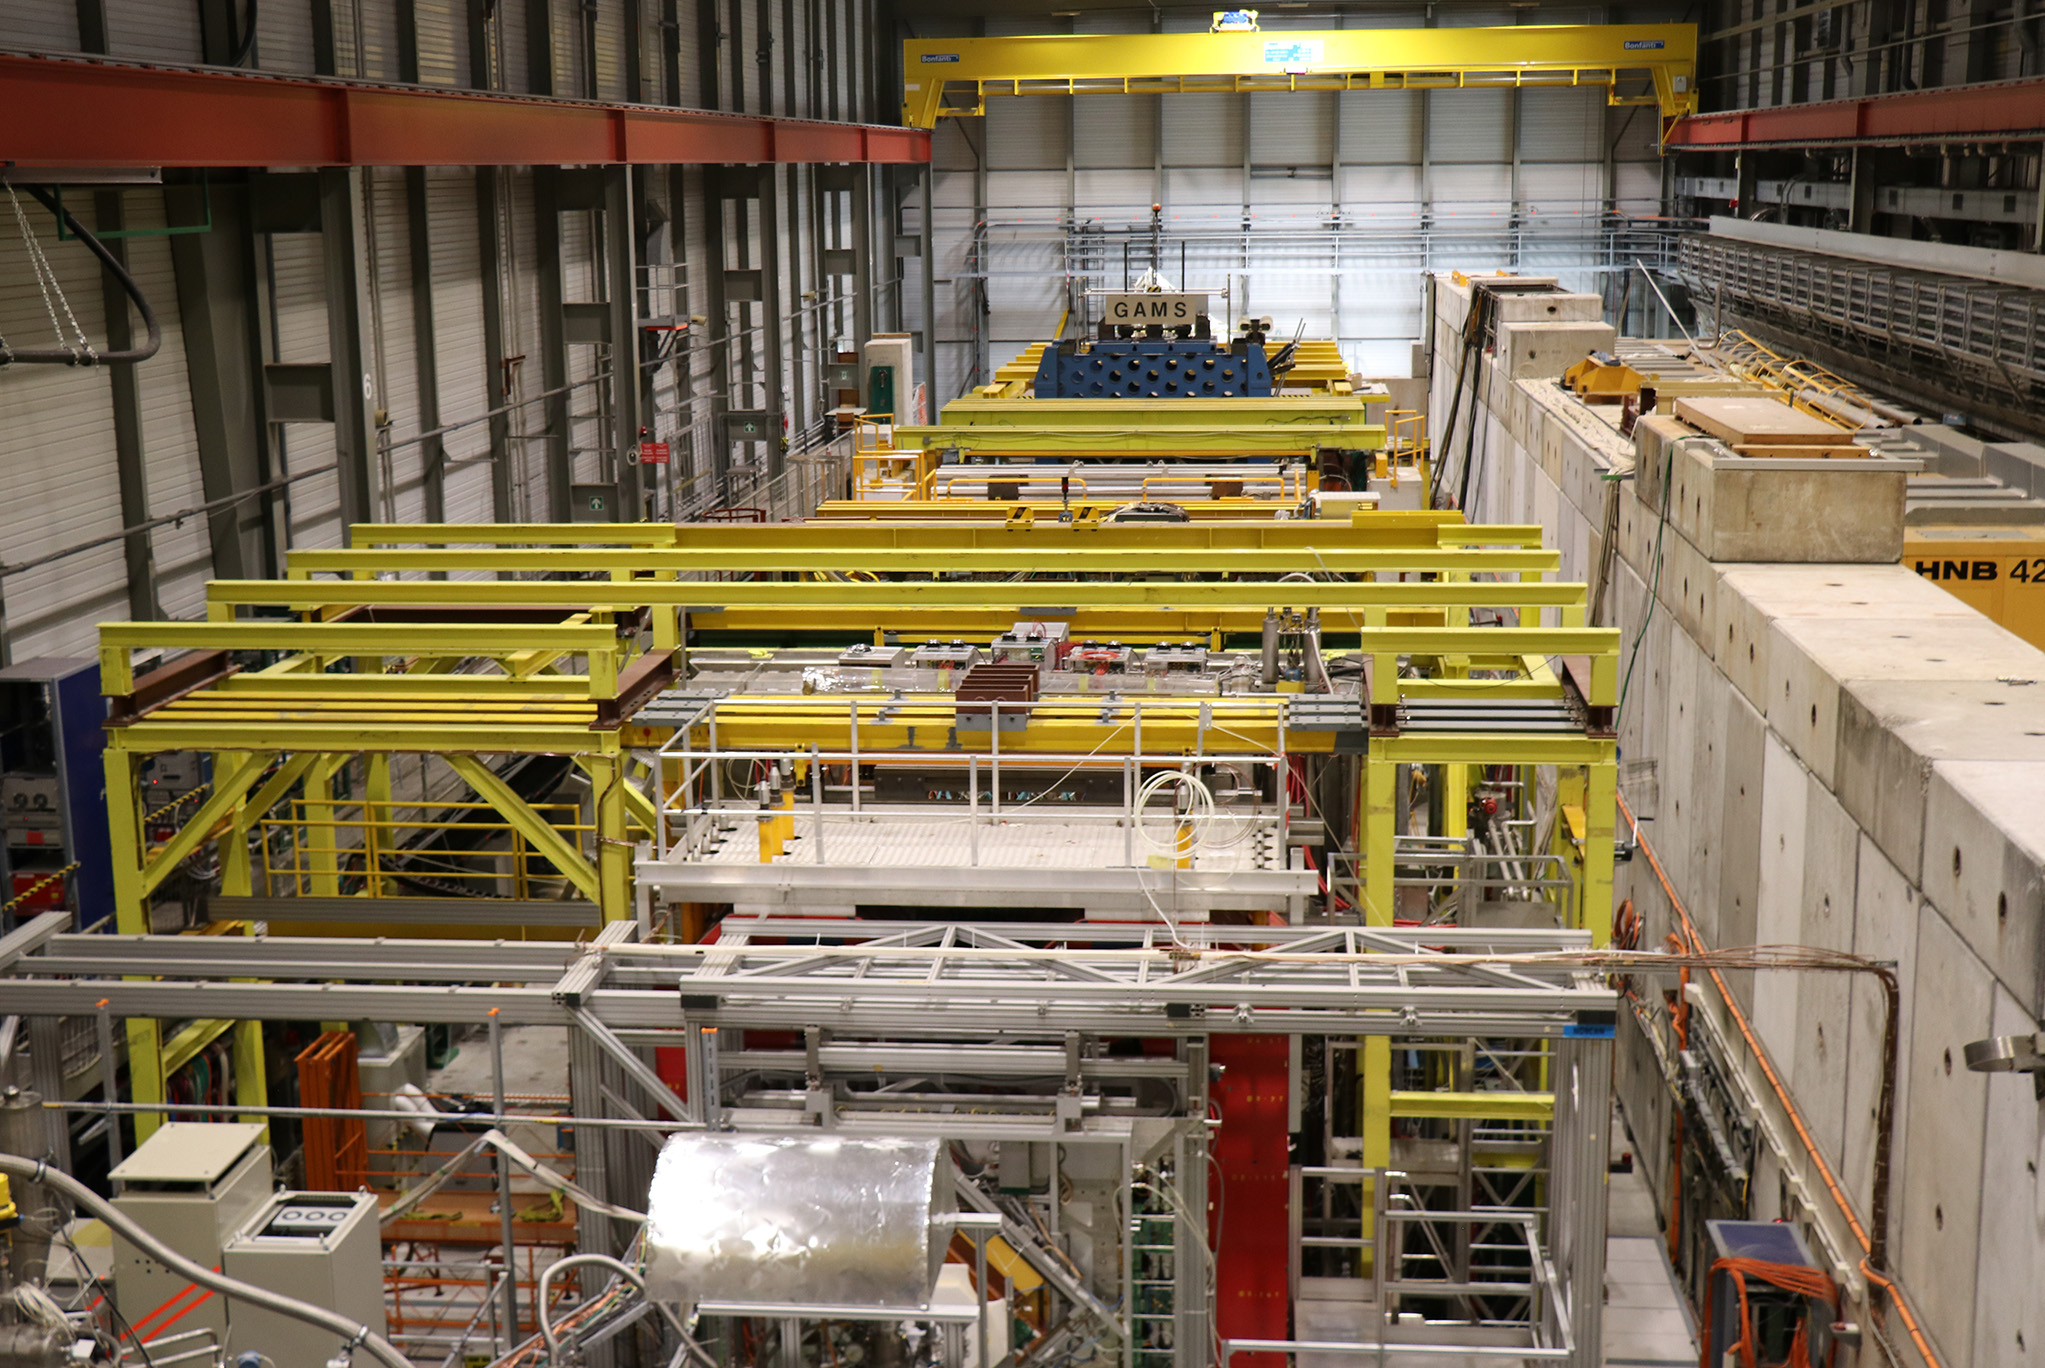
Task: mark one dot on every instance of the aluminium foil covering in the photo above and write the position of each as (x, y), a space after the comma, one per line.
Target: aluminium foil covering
(794, 1220)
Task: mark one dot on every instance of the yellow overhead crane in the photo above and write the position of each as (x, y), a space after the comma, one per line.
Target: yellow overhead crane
(938, 69)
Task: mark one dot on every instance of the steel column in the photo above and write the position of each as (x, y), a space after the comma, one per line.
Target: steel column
(348, 343)
(425, 351)
(620, 247)
(216, 306)
(505, 472)
(125, 383)
(553, 343)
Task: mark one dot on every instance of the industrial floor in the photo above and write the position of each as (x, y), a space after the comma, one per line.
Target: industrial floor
(1646, 1323)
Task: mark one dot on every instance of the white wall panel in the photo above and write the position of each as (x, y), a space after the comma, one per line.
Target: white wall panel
(152, 31)
(57, 449)
(1380, 127)
(1562, 123)
(1469, 126)
(1551, 189)
(1472, 189)
(1026, 189)
(1201, 130)
(1114, 131)
(1193, 186)
(1292, 128)
(1029, 133)
(1380, 192)
(43, 25)
(1125, 194)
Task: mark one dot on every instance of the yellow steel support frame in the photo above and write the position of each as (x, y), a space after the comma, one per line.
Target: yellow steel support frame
(1326, 59)
(899, 527)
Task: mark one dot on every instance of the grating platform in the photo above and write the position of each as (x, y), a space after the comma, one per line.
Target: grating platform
(1087, 865)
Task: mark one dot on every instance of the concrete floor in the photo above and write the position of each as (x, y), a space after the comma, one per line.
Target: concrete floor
(1646, 1323)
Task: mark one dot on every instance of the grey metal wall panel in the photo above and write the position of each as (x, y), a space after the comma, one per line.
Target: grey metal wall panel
(1469, 126)
(1562, 124)
(1029, 133)
(393, 344)
(1380, 127)
(1114, 131)
(512, 41)
(170, 442)
(43, 26)
(284, 38)
(443, 28)
(152, 31)
(610, 48)
(57, 449)
(1202, 130)
(1292, 128)
(568, 49)
(301, 310)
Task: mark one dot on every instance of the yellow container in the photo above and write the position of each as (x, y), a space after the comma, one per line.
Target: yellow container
(1997, 569)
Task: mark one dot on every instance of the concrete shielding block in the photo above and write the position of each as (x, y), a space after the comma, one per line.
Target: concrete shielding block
(1939, 1187)
(1542, 351)
(1984, 865)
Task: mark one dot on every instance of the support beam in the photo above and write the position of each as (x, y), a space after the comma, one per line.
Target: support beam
(2000, 110)
(425, 352)
(68, 113)
(535, 828)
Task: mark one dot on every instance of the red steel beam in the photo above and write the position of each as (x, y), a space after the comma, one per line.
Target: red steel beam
(81, 113)
(2000, 111)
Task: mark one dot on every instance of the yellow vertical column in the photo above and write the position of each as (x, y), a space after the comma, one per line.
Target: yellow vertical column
(321, 857)
(1601, 789)
(237, 880)
(613, 849)
(1374, 1059)
(131, 918)
(376, 811)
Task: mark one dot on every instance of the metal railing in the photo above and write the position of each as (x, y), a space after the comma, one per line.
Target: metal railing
(1978, 324)
(467, 848)
(701, 805)
(1395, 1213)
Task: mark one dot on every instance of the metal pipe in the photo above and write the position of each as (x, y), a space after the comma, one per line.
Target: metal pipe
(352, 1333)
(504, 1231)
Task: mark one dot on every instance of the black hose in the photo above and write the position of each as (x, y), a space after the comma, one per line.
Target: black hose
(248, 38)
(65, 356)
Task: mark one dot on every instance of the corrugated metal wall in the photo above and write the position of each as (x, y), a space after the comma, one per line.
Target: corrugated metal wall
(57, 449)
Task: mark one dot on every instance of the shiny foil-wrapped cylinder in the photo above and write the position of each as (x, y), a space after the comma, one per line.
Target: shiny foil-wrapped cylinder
(794, 1220)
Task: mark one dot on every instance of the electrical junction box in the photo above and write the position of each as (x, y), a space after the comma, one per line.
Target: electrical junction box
(191, 1185)
(866, 655)
(1033, 643)
(1175, 657)
(946, 655)
(320, 1247)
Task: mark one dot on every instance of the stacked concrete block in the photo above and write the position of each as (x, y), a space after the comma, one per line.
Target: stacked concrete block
(1840, 755)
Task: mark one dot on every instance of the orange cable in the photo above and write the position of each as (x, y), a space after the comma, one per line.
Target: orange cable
(1782, 1094)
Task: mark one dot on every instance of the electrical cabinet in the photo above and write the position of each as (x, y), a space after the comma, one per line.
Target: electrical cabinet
(320, 1247)
(52, 787)
(191, 1185)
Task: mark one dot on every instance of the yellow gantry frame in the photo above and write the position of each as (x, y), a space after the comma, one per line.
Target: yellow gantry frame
(298, 725)
(936, 69)
(406, 695)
